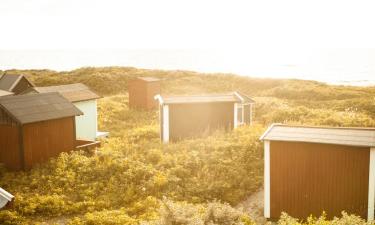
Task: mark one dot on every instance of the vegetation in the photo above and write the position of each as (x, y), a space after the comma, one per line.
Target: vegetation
(134, 179)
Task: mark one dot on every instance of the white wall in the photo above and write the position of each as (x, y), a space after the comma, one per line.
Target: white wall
(86, 125)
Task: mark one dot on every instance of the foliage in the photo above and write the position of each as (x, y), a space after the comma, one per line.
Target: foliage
(213, 213)
(134, 179)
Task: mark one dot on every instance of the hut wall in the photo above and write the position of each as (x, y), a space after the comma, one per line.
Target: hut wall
(43, 140)
(153, 88)
(309, 178)
(21, 86)
(137, 94)
(9, 147)
(86, 124)
(190, 120)
(142, 93)
(247, 114)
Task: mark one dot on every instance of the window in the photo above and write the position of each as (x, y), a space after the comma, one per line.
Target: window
(240, 114)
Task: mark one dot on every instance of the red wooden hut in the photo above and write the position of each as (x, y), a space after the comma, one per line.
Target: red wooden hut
(309, 170)
(142, 91)
(34, 128)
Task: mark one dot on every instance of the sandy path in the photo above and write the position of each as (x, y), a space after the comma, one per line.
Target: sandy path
(253, 206)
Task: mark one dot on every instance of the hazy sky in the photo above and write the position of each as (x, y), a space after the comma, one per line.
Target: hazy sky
(61, 24)
(323, 40)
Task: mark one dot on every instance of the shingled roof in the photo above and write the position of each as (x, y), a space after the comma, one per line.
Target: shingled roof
(327, 135)
(38, 107)
(207, 98)
(73, 92)
(9, 81)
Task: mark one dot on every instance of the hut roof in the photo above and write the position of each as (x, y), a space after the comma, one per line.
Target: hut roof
(73, 92)
(327, 135)
(38, 107)
(6, 195)
(9, 81)
(182, 99)
(148, 79)
(5, 93)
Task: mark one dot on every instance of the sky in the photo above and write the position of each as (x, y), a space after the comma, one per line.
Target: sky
(185, 24)
(315, 36)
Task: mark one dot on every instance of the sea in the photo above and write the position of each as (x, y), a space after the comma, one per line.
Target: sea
(340, 67)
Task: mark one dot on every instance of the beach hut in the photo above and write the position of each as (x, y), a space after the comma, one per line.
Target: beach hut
(14, 83)
(85, 100)
(142, 91)
(5, 198)
(309, 170)
(193, 115)
(34, 128)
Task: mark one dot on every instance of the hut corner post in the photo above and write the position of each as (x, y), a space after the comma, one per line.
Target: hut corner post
(371, 187)
(235, 115)
(165, 123)
(267, 180)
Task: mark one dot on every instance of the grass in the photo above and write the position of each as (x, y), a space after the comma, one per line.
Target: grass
(135, 179)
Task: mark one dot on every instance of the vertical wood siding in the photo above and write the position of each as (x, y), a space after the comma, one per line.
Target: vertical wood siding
(308, 178)
(141, 94)
(153, 88)
(190, 120)
(9, 147)
(47, 139)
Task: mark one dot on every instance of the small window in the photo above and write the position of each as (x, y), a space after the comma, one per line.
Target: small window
(240, 114)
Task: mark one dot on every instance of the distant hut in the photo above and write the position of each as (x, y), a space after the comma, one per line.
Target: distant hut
(142, 91)
(309, 170)
(85, 100)
(190, 116)
(14, 83)
(34, 128)
(5, 198)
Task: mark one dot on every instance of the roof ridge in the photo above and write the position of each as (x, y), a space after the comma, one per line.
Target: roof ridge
(324, 127)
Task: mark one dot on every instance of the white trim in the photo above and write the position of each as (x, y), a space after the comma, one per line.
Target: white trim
(251, 114)
(371, 186)
(239, 123)
(159, 98)
(8, 196)
(239, 96)
(165, 123)
(235, 124)
(267, 180)
(268, 130)
(15, 83)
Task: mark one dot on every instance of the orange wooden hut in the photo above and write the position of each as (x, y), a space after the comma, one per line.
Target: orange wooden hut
(142, 91)
(309, 170)
(34, 128)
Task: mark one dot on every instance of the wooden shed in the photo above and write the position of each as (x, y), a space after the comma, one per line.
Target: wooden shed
(34, 128)
(142, 91)
(14, 83)
(85, 100)
(309, 170)
(191, 116)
